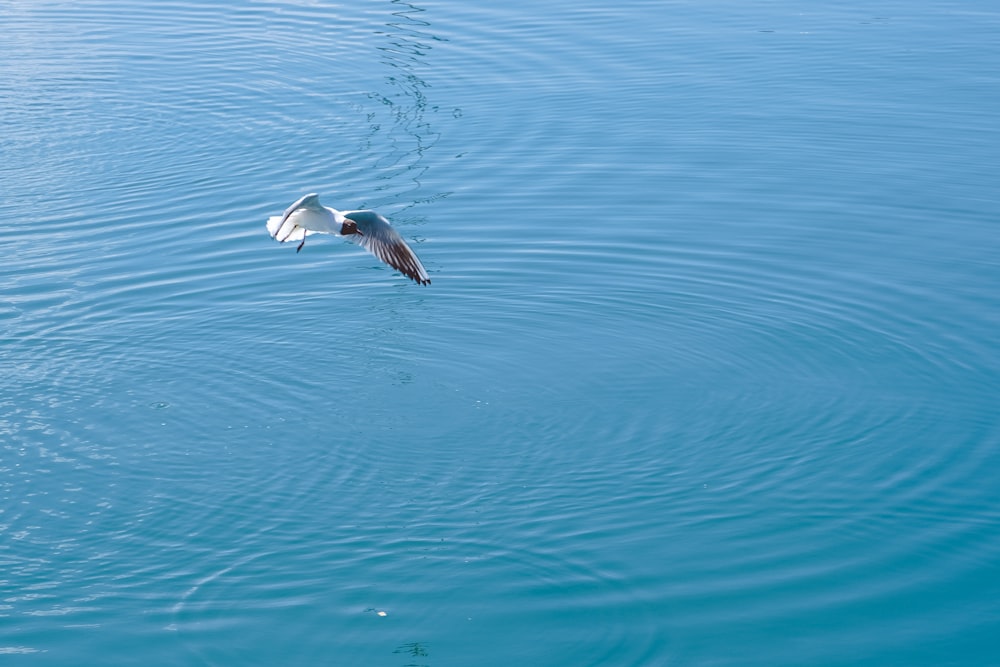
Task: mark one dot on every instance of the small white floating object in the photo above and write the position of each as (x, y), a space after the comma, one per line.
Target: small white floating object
(380, 613)
(366, 228)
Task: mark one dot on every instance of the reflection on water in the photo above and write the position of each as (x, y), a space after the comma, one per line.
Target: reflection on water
(401, 132)
(414, 650)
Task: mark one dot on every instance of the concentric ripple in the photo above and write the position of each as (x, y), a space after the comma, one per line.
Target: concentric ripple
(707, 373)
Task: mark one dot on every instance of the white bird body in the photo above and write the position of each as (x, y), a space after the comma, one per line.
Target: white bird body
(367, 228)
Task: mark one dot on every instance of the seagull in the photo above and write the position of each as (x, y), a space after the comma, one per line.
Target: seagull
(366, 228)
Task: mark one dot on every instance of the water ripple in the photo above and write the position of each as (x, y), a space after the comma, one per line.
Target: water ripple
(700, 355)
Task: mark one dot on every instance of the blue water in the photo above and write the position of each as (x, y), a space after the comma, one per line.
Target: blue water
(708, 374)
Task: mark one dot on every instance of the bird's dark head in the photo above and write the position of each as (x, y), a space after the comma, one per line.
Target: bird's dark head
(350, 227)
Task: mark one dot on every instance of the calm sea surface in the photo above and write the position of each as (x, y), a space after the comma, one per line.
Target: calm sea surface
(708, 374)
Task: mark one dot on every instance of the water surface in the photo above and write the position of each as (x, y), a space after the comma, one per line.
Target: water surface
(708, 372)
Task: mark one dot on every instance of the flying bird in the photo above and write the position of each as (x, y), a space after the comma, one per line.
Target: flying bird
(366, 228)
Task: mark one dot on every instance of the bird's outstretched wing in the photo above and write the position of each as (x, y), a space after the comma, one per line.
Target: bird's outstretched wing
(380, 239)
(284, 230)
